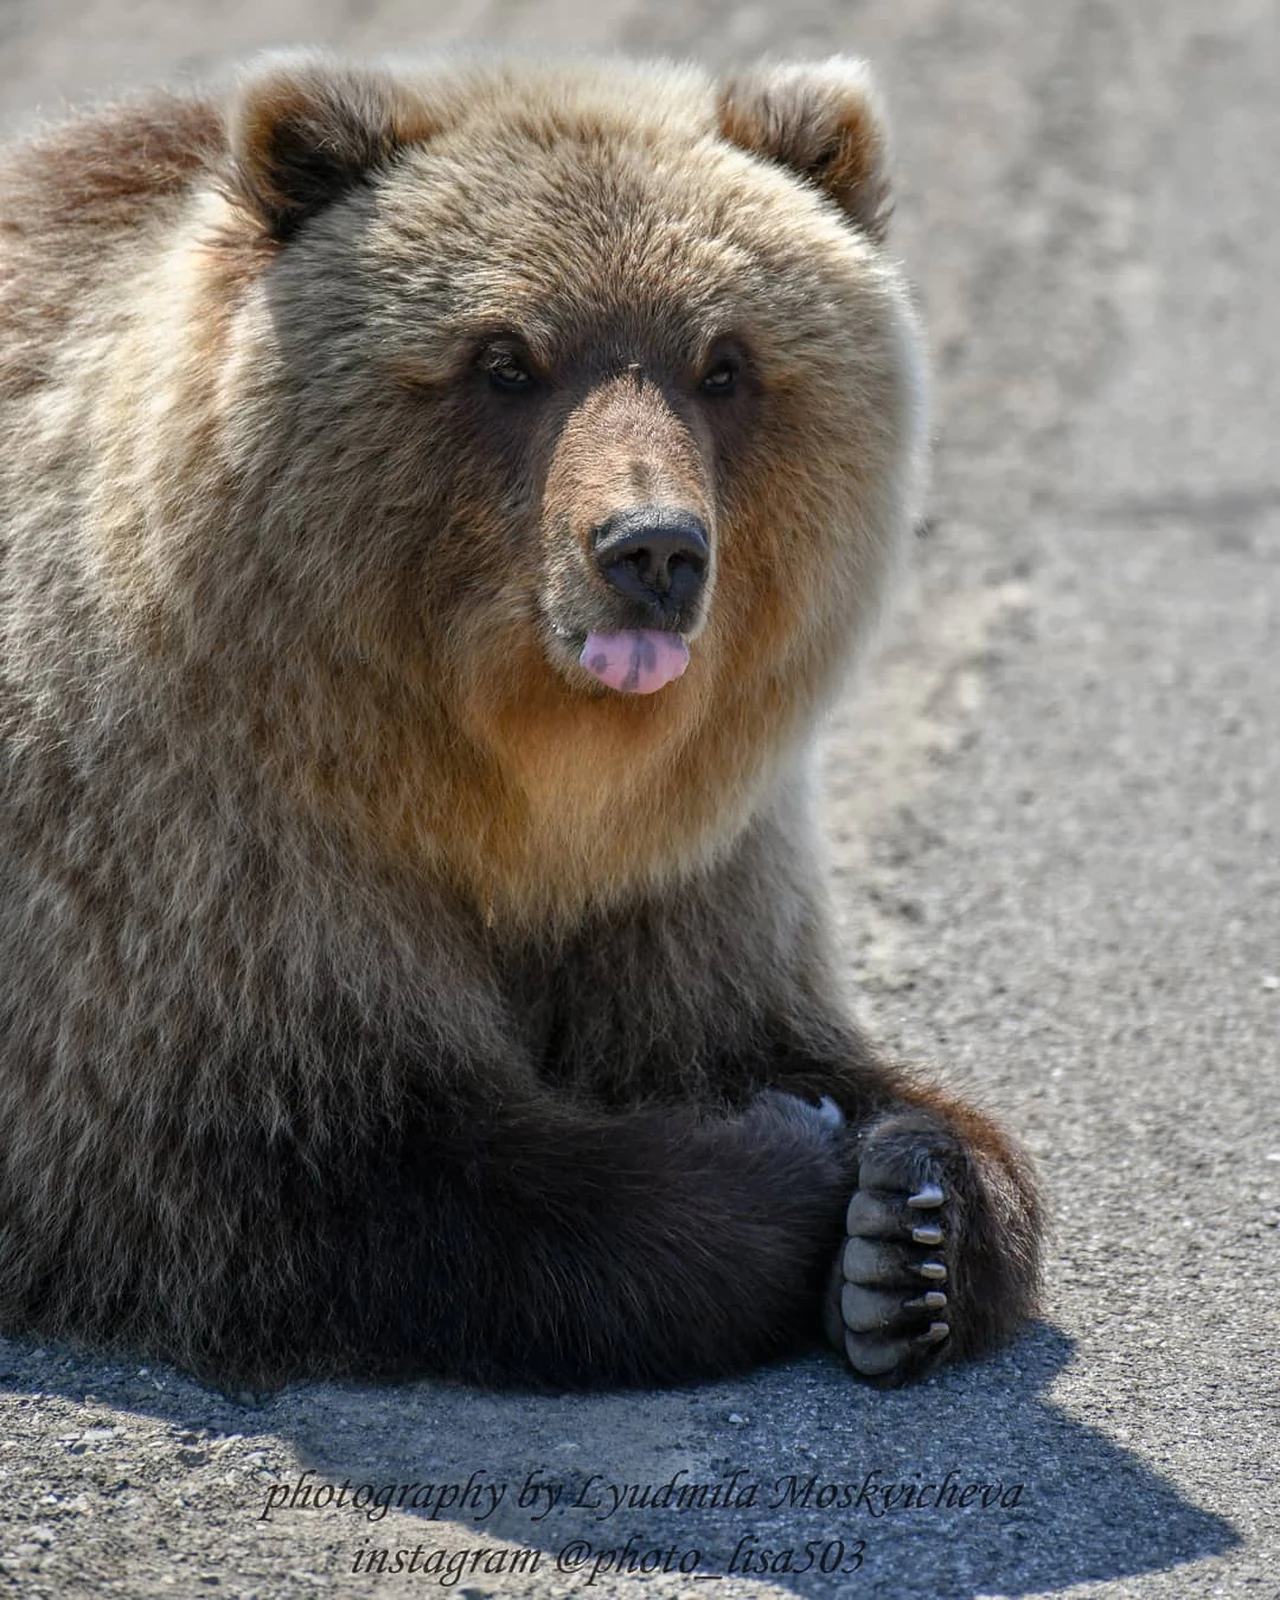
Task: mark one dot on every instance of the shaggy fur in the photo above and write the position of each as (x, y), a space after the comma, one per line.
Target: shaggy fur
(379, 993)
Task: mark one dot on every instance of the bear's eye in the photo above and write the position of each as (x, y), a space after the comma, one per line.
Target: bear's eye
(721, 378)
(507, 372)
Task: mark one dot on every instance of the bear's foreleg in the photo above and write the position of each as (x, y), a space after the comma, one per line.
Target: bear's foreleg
(547, 1245)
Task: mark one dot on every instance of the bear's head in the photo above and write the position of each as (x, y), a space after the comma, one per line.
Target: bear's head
(567, 420)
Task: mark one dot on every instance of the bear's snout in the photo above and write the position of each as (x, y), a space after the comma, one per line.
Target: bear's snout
(657, 556)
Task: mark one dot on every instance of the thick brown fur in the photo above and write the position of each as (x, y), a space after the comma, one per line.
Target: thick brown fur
(380, 993)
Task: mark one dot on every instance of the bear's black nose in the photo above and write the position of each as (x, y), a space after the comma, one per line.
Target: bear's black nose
(655, 554)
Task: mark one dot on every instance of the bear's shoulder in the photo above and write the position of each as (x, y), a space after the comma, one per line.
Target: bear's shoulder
(104, 167)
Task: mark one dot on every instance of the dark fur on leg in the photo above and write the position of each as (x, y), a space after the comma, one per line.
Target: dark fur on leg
(529, 1244)
(547, 1247)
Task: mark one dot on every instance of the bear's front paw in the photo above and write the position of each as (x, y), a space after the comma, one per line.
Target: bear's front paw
(887, 1304)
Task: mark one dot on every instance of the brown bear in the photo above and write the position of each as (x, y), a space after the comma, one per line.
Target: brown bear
(437, 504)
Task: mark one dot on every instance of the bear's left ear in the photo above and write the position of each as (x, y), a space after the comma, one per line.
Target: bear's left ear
(304, 131)
(822, 121)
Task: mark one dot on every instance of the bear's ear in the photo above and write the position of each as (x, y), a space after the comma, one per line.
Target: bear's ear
(822, 121)
(303, 132)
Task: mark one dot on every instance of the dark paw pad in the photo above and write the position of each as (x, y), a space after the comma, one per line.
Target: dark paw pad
(887, 1302)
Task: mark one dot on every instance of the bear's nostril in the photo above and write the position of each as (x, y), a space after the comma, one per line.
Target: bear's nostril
(653, 553)
(658, 562)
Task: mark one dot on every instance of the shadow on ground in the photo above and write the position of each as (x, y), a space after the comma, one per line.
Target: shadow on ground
(972, 1484)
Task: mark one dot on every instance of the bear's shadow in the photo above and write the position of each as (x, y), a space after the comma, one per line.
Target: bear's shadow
(756, 1466)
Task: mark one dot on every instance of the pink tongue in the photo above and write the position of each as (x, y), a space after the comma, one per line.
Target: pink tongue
(635, 662)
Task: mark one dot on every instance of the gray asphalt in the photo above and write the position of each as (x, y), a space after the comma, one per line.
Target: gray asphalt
(1054, 830)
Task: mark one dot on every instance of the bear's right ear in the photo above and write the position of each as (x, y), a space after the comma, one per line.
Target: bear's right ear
(303, 132)
(822, 121)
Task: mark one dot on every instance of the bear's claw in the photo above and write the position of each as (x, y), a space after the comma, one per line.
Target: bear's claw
(934, 1300)
(878, 1358)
